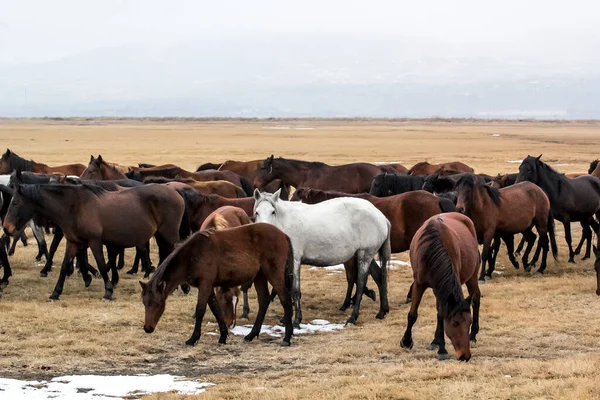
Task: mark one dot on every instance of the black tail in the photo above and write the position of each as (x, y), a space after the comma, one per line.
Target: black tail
(446, 205)
(289, 267)
(185, 229)
(207, 166)
(247, 186)
(552, 236)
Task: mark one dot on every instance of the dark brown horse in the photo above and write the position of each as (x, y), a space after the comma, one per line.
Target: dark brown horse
(406, 212)
(424, 168)
(221, 188)
(397, 167)
(90, 216)
(100, 170)
(444, 254)
(576, 199)
(223, 218)
(507, 211)
(202, 176)
(348, 178)
(249, 170)
(226, 258)
(10, 161)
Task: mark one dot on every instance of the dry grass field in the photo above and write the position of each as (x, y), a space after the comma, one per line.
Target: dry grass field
(539, 336)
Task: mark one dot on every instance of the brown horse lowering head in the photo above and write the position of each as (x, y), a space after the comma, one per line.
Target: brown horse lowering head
(228, 301)
(457, 325)
(154, 296)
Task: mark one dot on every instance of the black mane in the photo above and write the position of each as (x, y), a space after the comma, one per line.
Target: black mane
(207, 166)
(293, 162)
(18, 163)
(441, 273)
(593, 166)
(389, 184)
(471, 181)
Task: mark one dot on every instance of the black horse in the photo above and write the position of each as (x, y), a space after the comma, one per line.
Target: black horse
(385, 184)
(576, 199)
(207, 166)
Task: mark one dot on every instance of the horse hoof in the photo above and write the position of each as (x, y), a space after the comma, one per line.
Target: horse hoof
(381, 314)
(297, 325)
(222, 341)
(481, 280)
(285, 343)
(585, 258)
(572, 260)
(443, 356)
(371, 294)
(433, 346)
(516, 266)
(53, 297)
(539, 273)
(3, 284)
(244, 316)
(488, 277)
(107, 297)
(38, 258)
(131, 272)
(350, 320)
(473, 339)
(248, 338)
(88, 282)
(406, 344)
(191, 342)
(408, 300)
(11, 253)
(344, 307)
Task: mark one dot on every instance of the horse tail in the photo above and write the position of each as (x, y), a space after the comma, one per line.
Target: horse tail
(552, 236)
(446, 205)
(289, 267)
(247, 186)
(185, 228)
(241, 193)
(385, 254)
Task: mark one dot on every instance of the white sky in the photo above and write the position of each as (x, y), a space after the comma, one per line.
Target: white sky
(40, 30)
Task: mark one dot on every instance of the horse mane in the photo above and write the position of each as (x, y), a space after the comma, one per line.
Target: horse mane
(291, 161)
(323, 195)
(470, 181)
(593, 166)
(441, 272)
(146, 165)
(157, 179)
(18, 163)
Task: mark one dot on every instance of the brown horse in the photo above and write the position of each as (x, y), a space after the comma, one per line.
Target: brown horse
(90, 216)
(202, 176)
(444, 254)
(249, 170)
(223, 218)
(100, 170)
(226, 258)
(507, 211)
(424, 168)
(347, 178)
(406, 212)
(10, 162)
(221, 188)
(396, 167)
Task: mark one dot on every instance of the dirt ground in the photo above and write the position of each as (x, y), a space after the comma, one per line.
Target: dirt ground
(538, 338)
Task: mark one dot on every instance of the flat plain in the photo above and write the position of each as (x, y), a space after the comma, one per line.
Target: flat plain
(539, 335)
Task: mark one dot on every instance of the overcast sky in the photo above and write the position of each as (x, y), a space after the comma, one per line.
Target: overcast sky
(552, 30)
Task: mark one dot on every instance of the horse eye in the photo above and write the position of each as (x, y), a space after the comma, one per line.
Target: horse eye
(273, 213)
(455, 323)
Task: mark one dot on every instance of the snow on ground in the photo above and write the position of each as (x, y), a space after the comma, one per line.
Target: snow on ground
(393, 264)
(96, 387)
(316, 325)
(496, 134)
(385, 162)
(514, 161)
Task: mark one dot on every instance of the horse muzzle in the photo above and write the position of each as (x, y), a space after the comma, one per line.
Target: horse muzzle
(148, 329)
(460, 210)
(464, 358)
(9, 229)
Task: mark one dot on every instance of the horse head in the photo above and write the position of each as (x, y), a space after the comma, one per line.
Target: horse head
(21, 208)
(456, 326)
(266, 173)
(266, 206)
(228, 300)
(154, 296)
(528, 170)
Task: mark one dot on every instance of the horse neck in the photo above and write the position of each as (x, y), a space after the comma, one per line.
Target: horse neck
(297, 172)
(546, 181)
(57, 209)
(110, 173)
(176, 269)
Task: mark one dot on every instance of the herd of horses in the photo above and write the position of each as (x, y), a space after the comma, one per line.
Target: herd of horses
(228, 226)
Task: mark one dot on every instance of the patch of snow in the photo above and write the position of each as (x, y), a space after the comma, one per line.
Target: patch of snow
(316, 325)
(393, 264)
(385, 162)
(561, 165)
(498, 272)
(276, 127)
(331, 268)
(304, 129)
(496, 134)
(96, 387)
(514, 161)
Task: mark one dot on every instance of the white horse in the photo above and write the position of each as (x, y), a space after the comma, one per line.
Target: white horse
(330, 233)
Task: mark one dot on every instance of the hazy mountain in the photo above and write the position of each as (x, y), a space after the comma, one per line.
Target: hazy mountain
(337, 76)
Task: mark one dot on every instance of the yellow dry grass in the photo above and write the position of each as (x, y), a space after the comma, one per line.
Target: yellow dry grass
(538, 338)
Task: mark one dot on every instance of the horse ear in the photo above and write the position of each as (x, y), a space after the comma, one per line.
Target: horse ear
(256, 194)
(91, 159)
(538, 157)
(276, 195)
(8, 151)
(143, 285)
(99, 158)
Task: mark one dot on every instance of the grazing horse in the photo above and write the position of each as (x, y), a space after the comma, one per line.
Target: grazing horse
(424, 168)
(225, 258)
(10, 161)
(223, 218)
(348, 178)
(330, 233)
(221, 188)
(389, 184)
(100, 170)
(444, 255)
(90, 216)
(576, 199)
(502, 212)
(172, 172)
(406, 212)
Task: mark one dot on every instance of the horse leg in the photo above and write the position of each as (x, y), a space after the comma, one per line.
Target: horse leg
(520, 246)
(296, 294)
(113, 253)
(38, 233)
(6, 264)
(65, 268)
(213, 304)
(409, 294)
(18, 235)
(509, 240)
(417, 295)
(121, 262)
(96, 247)
(84, 266)
(139, 255)
(587, 234)
(350, 267)
(485, 255)
(439, 340)
(363, 262)
(530, 236)
(279, 287)
(262, 293)
(204, 292)
(567, 225)
(58, 235)
(475, 298)
(246, 307)
(493, 254)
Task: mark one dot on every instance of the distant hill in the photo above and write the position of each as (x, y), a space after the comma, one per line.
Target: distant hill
(298, 77)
